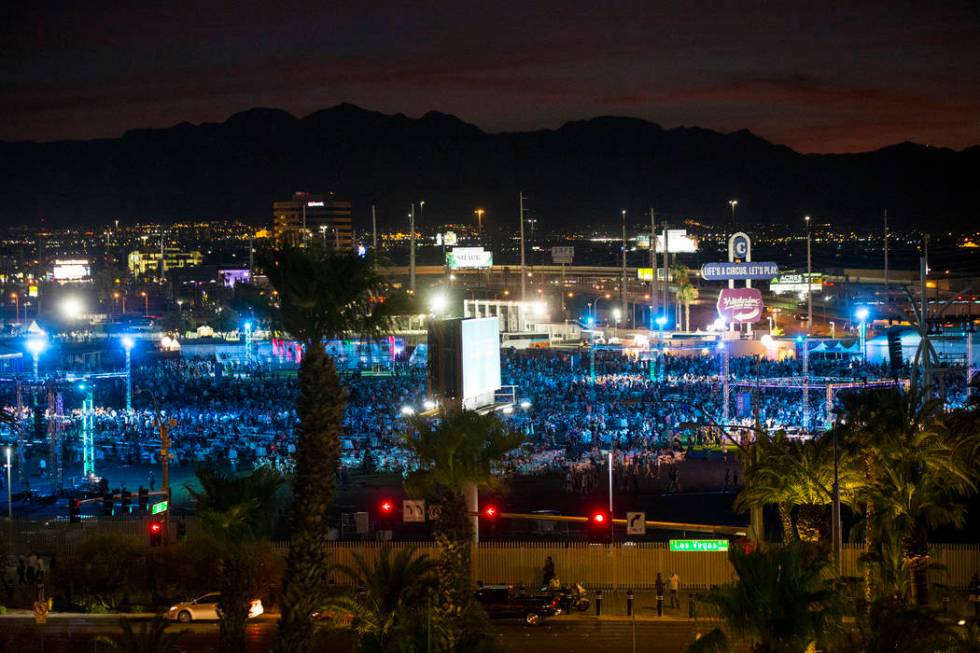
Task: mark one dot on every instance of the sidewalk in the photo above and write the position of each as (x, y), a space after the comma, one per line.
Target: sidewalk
(644, 606)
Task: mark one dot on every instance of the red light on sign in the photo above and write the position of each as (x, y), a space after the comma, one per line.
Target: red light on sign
(387, 506)
(490, 511)
(156, 527)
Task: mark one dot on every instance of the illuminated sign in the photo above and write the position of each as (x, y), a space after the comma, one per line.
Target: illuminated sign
(725, 271)
(469, 258)
(71, 270)
(740, 305)
(314, 203)
(646, 274)
(796, 283)
(699, 545)
(562, 255)
(679, 241)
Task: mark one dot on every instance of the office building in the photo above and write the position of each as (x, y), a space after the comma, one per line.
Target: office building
(310, 219)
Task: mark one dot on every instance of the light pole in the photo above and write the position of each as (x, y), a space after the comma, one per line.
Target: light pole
(809, 280)
(127, 343)
(248, 343)
(862, 316)
(479, 222)
(36, 346)
(523, 269)
(733, 204)
(14, 296)
(623, 288)
(10, 501)
(661, 321)
(146, 302)
(725, 370)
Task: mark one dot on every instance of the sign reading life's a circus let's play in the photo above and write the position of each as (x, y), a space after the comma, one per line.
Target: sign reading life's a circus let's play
(740, 305)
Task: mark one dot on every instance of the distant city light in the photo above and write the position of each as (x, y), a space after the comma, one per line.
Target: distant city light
(408, 411)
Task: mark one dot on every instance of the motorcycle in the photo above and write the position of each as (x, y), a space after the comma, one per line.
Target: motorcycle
(570, 599)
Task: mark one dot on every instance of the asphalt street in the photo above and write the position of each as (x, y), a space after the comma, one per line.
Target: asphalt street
(64, 634)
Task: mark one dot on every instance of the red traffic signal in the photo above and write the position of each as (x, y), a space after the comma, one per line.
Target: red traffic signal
(490, 512)
(156, 527)
(156, 533)
(599, 518)
(387, 507)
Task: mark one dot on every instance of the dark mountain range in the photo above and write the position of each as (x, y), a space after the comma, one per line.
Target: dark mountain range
(580, 174)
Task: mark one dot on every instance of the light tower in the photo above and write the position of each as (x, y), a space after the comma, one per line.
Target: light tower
(862, 315)
(127, 343)
(248, 343)
(36, 346)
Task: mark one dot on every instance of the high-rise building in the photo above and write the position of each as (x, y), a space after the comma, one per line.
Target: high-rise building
(310, 219)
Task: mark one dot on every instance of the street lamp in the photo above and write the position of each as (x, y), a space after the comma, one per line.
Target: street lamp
(146, 302)
(733, 204)
(862, 315)
(128, 343)
(809, 281)
(14, 296)
(479, 221)
(833, 329)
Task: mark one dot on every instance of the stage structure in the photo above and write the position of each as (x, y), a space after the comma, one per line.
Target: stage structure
(52, 389)
(829, 384)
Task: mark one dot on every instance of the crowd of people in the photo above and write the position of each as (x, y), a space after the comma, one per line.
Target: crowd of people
(244, 417)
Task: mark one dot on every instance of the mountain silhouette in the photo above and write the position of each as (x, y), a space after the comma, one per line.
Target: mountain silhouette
(578, 175)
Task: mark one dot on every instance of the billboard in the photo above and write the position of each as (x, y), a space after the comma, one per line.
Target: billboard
(71, 270)
(726, 271)
(740, 305)
(469, 258)
(796, 283)
(646, 274)
(679, 241)
(481, 360)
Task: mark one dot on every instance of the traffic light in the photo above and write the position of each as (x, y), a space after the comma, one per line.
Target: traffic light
(142, 499)
(74, 511)
(386, 507)
(490, 511)
(600, 527)
(156, 533)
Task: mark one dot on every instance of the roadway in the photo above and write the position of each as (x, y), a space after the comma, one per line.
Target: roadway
(571, 634)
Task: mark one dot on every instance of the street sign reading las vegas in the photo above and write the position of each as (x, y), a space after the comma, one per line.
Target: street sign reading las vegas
(699, 545)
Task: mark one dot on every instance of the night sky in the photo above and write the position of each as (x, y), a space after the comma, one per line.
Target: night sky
(819, 77)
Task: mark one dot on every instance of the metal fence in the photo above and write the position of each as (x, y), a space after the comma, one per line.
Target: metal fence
(620, 566)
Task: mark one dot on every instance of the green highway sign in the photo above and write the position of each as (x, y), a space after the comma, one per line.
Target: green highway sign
(699, 545)
(159, 507)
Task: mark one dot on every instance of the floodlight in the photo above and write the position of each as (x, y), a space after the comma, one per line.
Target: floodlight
(438, 303)
(36, 346)
(127, 342)
(71, 308)
(862, 313)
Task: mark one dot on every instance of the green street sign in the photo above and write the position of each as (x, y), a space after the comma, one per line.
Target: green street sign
(159, 507)
(699, 545)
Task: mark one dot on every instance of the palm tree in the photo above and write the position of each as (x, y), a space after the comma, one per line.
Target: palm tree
(321, 295)
(797, 473)
(679, 274)
(687, 294)
(388, 608)
(239, 513)
(456, 456)
(781, 602)
(152, 637)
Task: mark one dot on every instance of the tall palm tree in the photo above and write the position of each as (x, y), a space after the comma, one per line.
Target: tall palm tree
(781, 602)
(238, 512)
(765, 483)
(456, 456)
(388, 608)
(321, 295)
(679, 274)
(687, 294)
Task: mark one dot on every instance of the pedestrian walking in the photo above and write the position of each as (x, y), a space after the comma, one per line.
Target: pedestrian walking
(675, 585)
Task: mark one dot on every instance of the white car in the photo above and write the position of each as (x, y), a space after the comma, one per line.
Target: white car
(206, 608)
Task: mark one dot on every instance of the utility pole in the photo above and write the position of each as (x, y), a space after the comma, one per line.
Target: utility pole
(653, 267)
(623, 285)
(666, 269)
(809, 281)
(411, 248)
(251, 256)
(374, 231)
(523, 269)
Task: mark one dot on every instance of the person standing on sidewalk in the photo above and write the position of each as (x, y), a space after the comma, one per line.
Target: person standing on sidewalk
(660, 595)
(675, 585)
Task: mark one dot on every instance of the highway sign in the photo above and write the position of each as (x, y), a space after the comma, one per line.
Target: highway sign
(413, 511)
(636, 523)
(159, 507)
(699, 545)
(562, 255)
(750, 270)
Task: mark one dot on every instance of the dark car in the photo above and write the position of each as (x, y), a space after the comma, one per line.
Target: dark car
(503, 602)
